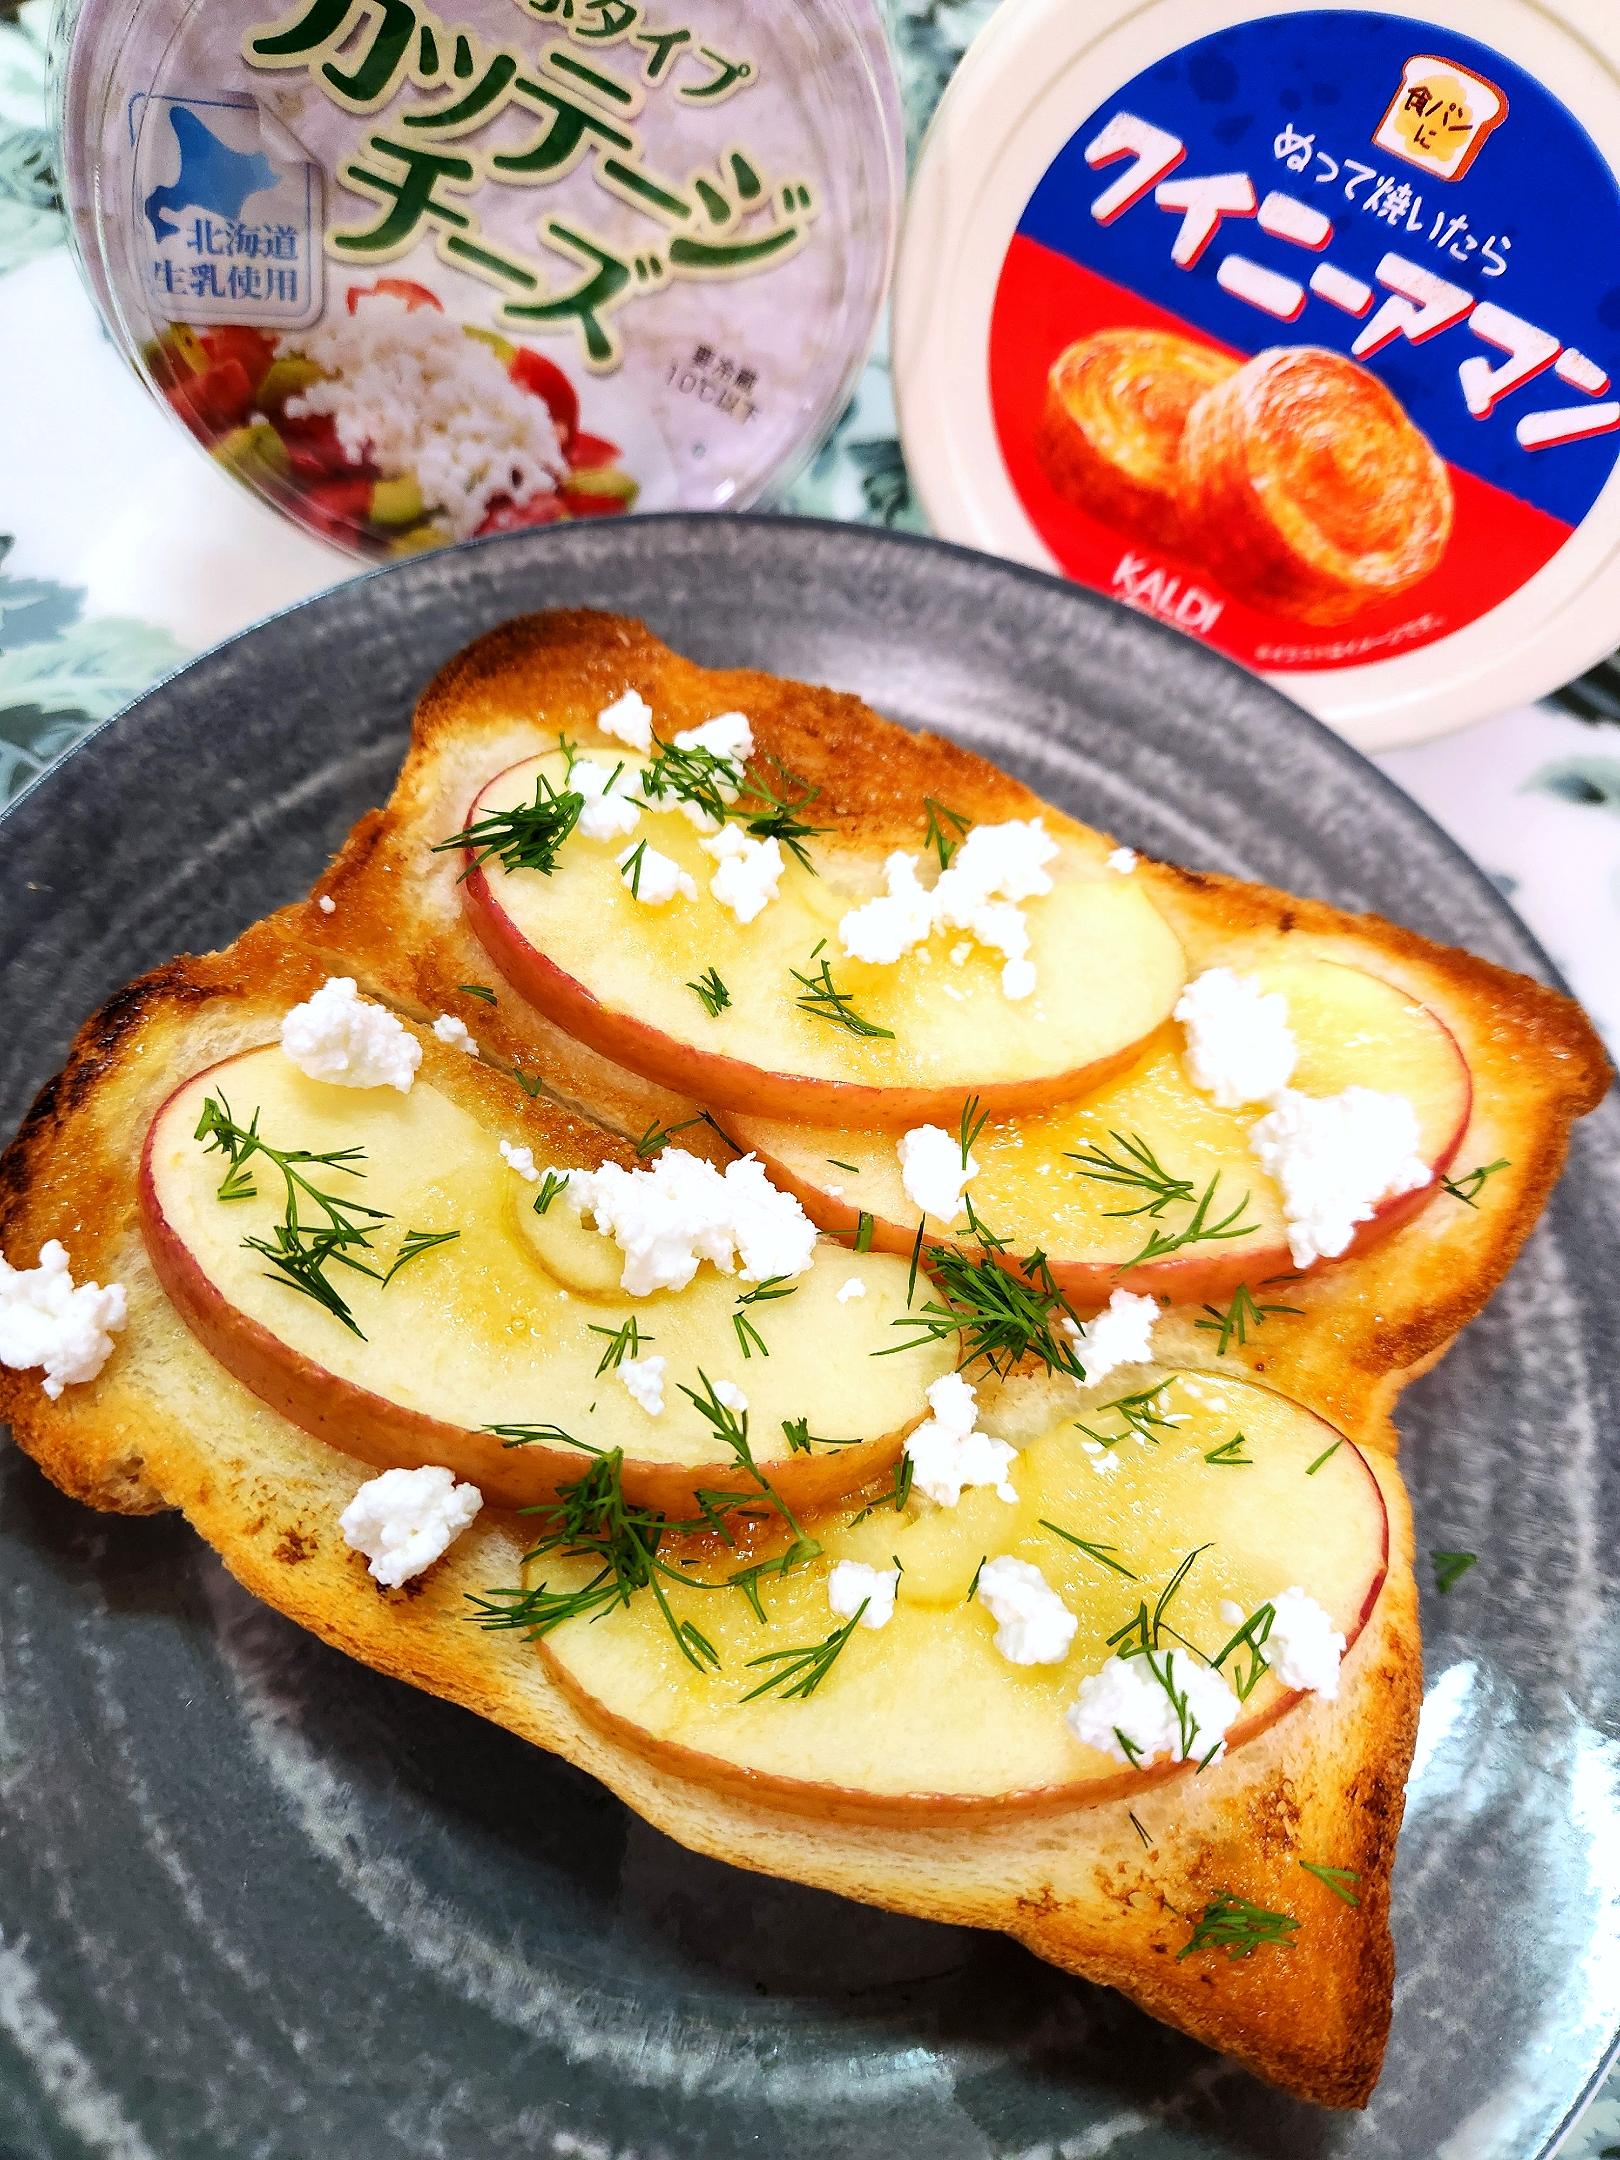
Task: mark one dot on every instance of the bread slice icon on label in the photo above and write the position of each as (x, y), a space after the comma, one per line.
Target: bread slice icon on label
(1307, 490)
(1109, 438)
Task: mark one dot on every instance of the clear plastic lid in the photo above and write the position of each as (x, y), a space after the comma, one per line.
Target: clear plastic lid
(415, 279)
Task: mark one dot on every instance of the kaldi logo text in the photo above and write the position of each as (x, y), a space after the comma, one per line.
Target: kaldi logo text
(1158, 591)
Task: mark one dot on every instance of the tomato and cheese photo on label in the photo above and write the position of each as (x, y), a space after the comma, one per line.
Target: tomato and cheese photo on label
(1300, 338)
(417, 279)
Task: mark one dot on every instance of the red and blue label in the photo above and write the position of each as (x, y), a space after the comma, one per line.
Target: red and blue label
(1371, 186)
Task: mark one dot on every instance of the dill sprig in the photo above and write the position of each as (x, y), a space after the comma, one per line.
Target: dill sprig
(1326, 1455)
(1467, 1188)
(935, 835)
(865, 1225)
(773, 815)
(1232, 1924)
(823, 1000)
(1337, 1879)
(749, 1339)
(478, 990)
(511, 1436)
(526, 837)
(1450, 1568)
(1142, 1636)
(854, 1169)
(801, 1439)
(898, 1494)
(299, 1252)
(973, 1122)
(416, 1243)
(722, 788)
(712, 992)
(1099, 1553)
(696, 775)
(1141, 1414)
(1242, 1314)
(659, 1136)
(999, 1316)
(631, 867)
(622, 1343)
(800, 1672)
(1142, 1172)
(550, 1188)
(1251, 1636)
(590, 1519)
(1141, 1833)
(1230, 1455)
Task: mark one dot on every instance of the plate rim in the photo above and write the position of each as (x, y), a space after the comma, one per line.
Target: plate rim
(562, 536)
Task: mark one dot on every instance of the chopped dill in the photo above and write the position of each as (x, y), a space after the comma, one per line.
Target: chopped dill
(1337, 1879)
(526, 837)
(1467, 1188)
(712, 992)
(1242, 1314)
(823, 1000)
(1232, 1924)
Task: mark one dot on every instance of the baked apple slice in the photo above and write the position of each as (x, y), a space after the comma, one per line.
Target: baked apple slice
(465, 1309)
(1045, 1182)
(1225, 1550)
(771, 1015)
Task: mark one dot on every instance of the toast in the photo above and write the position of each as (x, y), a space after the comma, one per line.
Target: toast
(1368, 1323)
(165, 1427)
(1111, 1890)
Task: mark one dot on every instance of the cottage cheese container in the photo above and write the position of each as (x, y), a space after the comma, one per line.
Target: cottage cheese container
(416, 278)
(1295, 327)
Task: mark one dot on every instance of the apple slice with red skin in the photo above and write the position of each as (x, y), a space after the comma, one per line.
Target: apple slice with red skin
(1352, 1029)
(512, 1322)
(616, 974)
(923, 1721)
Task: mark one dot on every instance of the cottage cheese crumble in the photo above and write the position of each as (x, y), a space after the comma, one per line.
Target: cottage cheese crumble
(1125, 1698)
(1335, 1157)
(338, 1037)
(1304, 1649)
(46, 1320)
(1120, 1335)
(1124, 860)
(853, 1584)
(657, 879)
(932, 1171)
(607, 814)
(852, 1289)
(644, 1377)
(947, 1454)
(995, 866)
(328, 906)
(520, 1159)
(1239, 1045)
(670, 1218)
(403, 1520)
(748, 873)
(727, 735)
(629, 720)
(1036, 1626)
(448, 1029)
(411, 393)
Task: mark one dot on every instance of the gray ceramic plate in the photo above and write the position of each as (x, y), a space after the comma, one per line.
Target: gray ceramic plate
(258, 1901)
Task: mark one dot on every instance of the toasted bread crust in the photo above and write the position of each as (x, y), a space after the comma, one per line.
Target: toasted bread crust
(1085, 1887)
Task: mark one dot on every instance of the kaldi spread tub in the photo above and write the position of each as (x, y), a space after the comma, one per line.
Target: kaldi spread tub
(1295, 328)
(419, 277)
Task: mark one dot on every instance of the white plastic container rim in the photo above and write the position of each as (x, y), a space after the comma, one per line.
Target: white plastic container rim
(1030, 79)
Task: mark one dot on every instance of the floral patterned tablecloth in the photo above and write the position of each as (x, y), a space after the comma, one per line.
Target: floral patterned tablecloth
(123, 551)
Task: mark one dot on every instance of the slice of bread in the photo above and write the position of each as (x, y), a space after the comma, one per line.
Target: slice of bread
(1367, 1324)
(1088, 1888)
(1110, 1891)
